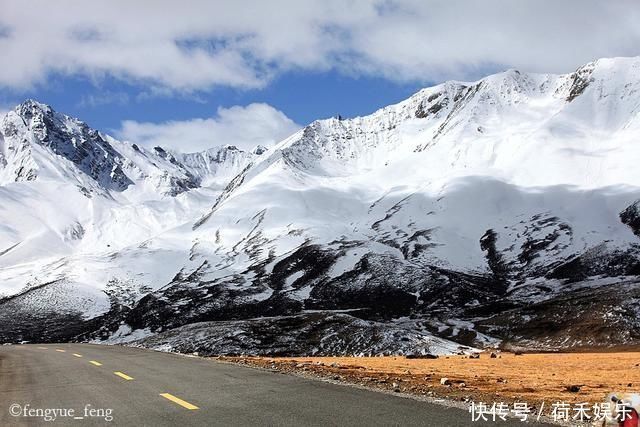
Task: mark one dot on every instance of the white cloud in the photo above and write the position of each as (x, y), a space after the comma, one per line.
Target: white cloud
(244, 44)
(244, 127)
(104, 98)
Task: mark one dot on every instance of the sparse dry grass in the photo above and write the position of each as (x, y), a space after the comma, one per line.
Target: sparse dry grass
(530, 377)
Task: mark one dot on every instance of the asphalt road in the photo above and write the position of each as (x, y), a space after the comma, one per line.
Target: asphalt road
(139, 387)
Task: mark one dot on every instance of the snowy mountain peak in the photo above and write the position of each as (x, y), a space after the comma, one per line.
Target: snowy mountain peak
(36, 142)
(500, 126)
(32, 132)
(31, 107)
(217, 166)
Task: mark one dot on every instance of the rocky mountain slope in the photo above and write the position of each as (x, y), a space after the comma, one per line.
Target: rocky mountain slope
(497, 212)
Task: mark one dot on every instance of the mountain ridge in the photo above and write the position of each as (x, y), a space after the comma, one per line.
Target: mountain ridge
(470, 214)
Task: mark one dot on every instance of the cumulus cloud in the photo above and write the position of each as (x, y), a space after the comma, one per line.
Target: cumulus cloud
(244, 127)
(243, 44)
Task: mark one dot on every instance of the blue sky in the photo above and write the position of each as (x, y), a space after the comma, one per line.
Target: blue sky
(197, 74)
(302, 96)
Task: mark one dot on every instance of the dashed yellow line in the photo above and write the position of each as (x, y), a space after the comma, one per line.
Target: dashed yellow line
(124, 376)
(179, 401)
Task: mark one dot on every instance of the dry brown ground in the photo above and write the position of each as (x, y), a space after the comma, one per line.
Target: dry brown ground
(530, 378)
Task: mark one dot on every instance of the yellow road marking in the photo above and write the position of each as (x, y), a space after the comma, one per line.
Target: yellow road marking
(93, 362)
(125, 376)
(179, 401)
(42, 348)
(61, 351)
(77, 355)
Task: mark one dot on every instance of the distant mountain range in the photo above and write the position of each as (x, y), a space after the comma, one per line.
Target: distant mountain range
(503, 212)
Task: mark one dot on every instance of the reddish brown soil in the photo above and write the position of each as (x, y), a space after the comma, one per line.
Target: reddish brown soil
(530, 378)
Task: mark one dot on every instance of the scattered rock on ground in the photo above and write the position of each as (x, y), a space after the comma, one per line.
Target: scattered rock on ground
(421, 356)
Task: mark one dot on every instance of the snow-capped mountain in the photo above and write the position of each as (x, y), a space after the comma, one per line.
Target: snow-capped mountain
(71, 196)
(497, 212)
(39, 143)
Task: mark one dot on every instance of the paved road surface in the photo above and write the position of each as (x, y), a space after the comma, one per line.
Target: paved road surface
(147, 388)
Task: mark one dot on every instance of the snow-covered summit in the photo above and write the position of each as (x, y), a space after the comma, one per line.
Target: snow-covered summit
(217, 166)
(33, 131)
(40, 143)
(524, 128)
